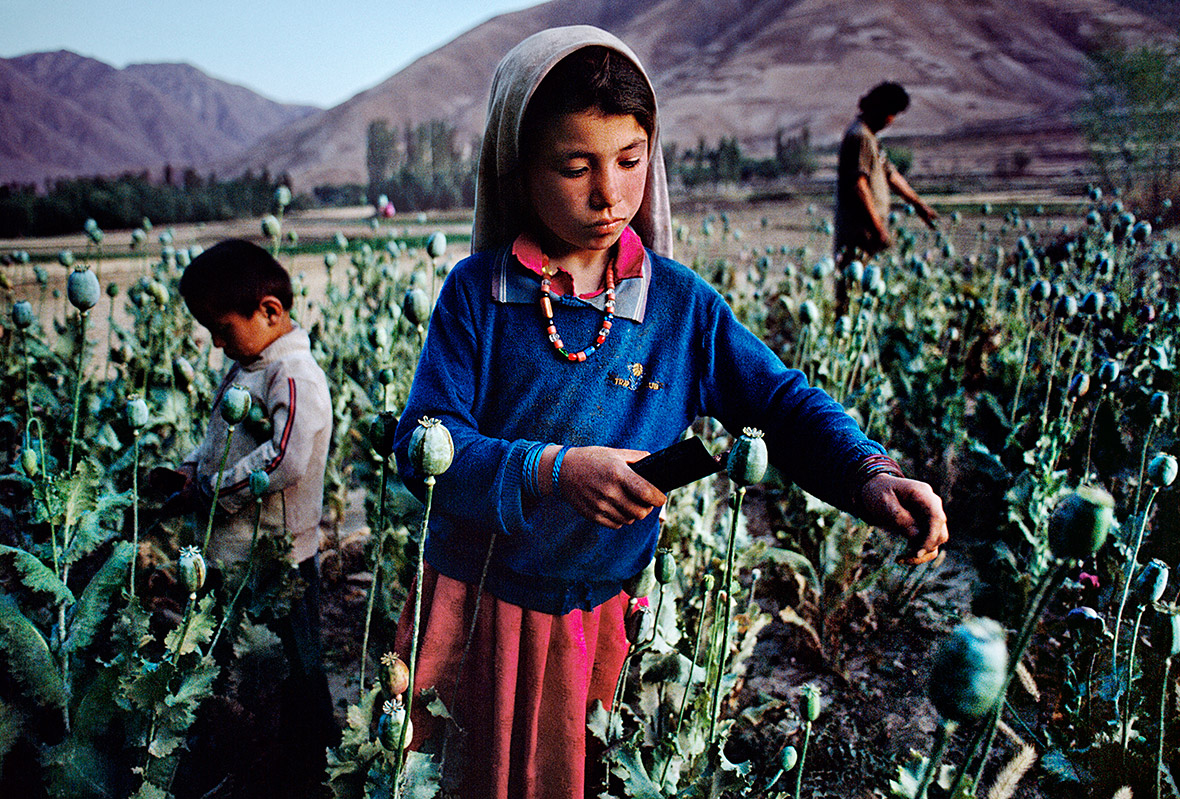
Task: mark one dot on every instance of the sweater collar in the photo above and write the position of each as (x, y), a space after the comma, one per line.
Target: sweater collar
(296, 340)
(516, 275)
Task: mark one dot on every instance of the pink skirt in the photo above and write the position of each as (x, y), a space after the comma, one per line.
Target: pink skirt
(526, 686)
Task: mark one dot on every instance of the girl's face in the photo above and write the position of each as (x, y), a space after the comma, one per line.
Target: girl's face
(586, 178)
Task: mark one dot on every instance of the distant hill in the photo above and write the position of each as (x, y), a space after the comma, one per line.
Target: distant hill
(66, 114)
(750, 67)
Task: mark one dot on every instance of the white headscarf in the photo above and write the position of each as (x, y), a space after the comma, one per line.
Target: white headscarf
(500, 202)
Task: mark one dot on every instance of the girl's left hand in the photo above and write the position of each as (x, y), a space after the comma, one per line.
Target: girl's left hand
(909, 508)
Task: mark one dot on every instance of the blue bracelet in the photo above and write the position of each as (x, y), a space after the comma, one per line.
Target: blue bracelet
(532, 458)
(557, 467)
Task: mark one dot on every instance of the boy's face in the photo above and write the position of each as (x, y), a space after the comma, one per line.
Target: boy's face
(243, 338)
(586, 179)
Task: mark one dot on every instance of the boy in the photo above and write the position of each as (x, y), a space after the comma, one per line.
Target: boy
(243, 297)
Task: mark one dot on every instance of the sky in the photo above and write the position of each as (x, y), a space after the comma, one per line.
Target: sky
(319, 52)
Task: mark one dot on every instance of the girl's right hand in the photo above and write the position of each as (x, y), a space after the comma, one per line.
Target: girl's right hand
(600, 485)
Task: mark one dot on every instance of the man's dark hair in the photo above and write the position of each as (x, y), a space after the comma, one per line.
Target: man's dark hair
(593, 77)
(885, 99)
(233, 275)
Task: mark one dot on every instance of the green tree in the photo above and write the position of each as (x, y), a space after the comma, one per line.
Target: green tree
(1131, 116)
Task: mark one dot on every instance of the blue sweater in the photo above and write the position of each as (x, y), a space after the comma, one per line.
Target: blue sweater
(489, 373)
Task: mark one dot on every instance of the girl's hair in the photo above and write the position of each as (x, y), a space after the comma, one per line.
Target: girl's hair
(594, 77)
(233, 275)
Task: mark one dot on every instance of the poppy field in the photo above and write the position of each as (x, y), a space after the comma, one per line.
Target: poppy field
(1021, 359)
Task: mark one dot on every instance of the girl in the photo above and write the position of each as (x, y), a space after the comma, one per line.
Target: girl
(560, 352)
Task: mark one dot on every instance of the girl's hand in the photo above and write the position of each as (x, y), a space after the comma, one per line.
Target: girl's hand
(909, 508)
(600, 485)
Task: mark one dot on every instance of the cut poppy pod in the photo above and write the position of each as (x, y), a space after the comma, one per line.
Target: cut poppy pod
(235, 404)
(192, 569)
(82, 289)
(431, 447)
(969, 670)
(1080, 523)
(395, 675)
(747, 460)
(22, 314)
(1162, 470)
(381, 430)
(1151, 582)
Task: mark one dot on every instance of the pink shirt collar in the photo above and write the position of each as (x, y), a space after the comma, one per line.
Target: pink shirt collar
(629, 258)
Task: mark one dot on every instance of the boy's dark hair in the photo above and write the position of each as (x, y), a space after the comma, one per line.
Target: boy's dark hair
(593, 77)
(233, 275)
(885, 99)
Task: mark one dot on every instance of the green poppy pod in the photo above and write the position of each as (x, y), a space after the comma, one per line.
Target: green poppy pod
(1079, 386)
(30, 462)
(89, 225)
(1162, 470)
(747, 460)
(1092, 303)
(870, 277)
(436, 244)
(1108, 373)
(192, 569)
(159, 292)
(22, 314)
(112, 290)
(389, 727)
(339, 241)
(665, 566)
(385, 376)
(138, 237)
(1159, 405)
(1141, 232)
(808, 313)
(809, 704)
(1165, 632)
(788, 759)
(1040, 290)
(968, 670)
(1080, 523)
(1066, 307)
(854, 272)
(416, 306)
(96, 236)
(381, 430)
(282, 196)
(1150, 584)
(270, 226)
(1085, 623)
(1095, 194)
(431, 447)
(259, 483)
(235, 404)
(330, 259)
(82, 289)
(137, 413)
(1094, 219)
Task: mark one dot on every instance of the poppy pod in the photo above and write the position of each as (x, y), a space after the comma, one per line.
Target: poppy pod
(748, 459)
(381, 430)
(22, 314)
(1162, 470)
(1165, 633)
(235, 404)
(82, 289)
(137, 413)
(1080, 523)
(1151, 582)
(259, 483)
(969, 670)
(431, 447)
(416, 306)
(192, 569)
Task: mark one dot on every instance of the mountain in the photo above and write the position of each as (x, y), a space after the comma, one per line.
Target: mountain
(66, 114)
(751, 67)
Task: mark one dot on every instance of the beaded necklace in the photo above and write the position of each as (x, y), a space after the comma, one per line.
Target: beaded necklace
(551, 328)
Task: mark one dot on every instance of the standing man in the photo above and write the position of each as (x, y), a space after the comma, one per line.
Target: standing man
(864, 178)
